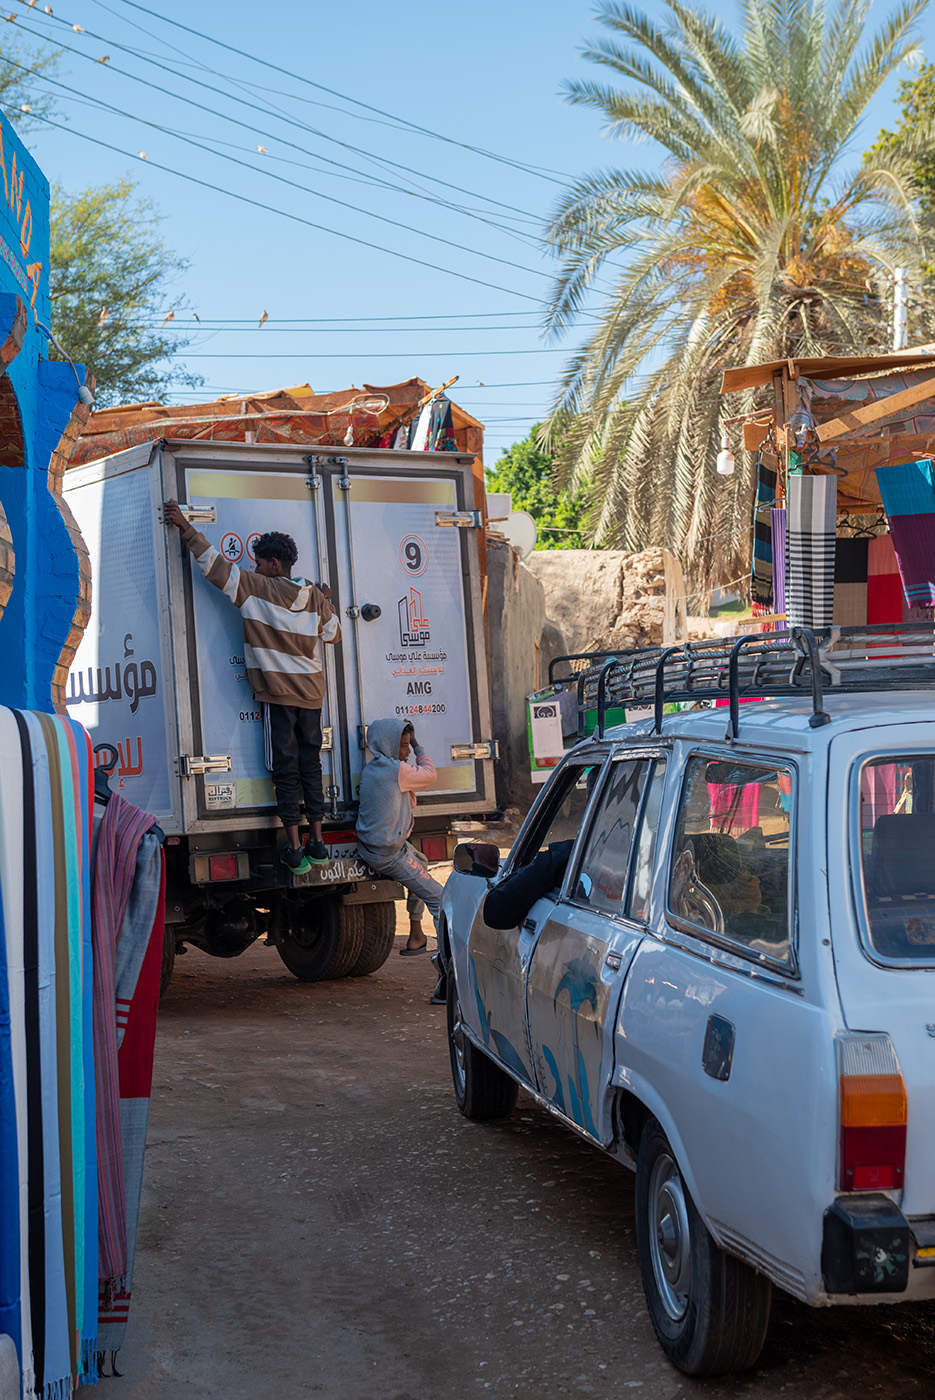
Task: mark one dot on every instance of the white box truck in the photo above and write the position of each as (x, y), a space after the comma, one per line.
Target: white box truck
(159, 677)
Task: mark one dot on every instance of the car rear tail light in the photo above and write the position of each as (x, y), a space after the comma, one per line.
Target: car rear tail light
(873, 1114)
(434, 847)
(223, 867)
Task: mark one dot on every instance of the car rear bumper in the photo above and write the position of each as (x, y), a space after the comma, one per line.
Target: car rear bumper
(869, 1246)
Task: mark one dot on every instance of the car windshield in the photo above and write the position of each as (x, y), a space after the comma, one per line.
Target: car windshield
(897, 855)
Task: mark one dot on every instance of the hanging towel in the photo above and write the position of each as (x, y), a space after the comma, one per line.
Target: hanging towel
(885, 602)
(810, 550)
(762, 580)
(122, 827)
(850, 582)
(778, 528)
(908, 493)
(139, 968)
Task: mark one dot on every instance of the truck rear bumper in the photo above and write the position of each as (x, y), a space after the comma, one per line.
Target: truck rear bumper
(869, 1246)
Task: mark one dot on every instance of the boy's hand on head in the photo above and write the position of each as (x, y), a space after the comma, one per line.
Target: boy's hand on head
(324, 589)
(173, 515)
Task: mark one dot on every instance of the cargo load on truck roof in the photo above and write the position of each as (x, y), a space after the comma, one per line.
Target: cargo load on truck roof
(371, 416)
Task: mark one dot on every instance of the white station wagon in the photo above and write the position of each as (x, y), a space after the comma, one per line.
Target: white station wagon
(731, 987)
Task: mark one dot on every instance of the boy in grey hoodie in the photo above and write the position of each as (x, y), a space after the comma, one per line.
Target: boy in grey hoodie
(388, 787)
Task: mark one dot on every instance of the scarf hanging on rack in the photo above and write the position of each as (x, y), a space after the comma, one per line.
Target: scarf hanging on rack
(908, 493)
(778, 531)
(850, 582)
(810, 529)
(885, 602)
(762, 580)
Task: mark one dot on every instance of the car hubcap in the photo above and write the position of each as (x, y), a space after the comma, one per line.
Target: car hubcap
(670, 1242)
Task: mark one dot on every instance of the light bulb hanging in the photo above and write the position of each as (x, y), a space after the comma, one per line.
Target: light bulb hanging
(725, 458)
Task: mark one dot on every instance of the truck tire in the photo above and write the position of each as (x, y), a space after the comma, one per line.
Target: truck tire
(379, 936)
(168, 958)
(482, 1090)
(709, 1310)
(319, 939)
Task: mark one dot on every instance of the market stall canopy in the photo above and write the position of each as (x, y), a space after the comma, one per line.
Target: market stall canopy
(877, 411)
(365, 417)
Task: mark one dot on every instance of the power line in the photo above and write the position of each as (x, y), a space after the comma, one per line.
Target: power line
(281, 179)
(357, 354)
(285, 213)
(540, 173)
(302, 126)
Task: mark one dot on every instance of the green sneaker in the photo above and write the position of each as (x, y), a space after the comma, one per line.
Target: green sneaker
(294, 860)
(316, 852)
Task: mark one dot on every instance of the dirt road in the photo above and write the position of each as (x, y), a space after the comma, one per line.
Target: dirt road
(318, 1220)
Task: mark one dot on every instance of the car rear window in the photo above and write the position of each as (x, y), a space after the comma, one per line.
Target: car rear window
(897, 855)
(729, 875)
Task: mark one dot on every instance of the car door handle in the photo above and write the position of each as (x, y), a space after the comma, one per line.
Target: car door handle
(529, 926)
(613, 961)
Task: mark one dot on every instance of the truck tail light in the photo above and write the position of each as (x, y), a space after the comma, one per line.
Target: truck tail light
(224, 867)
(873, 1114)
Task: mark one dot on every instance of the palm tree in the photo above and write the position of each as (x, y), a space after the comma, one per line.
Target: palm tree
(745, 244)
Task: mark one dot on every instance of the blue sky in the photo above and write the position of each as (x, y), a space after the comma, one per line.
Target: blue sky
(484, 75)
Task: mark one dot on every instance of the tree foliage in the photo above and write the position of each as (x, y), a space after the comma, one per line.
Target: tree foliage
(917, 98)
(22, 68)
(526, 472)
(111, 277)
(748, 242)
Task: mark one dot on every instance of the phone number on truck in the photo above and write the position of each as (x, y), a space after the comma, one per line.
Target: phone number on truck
(420, 709)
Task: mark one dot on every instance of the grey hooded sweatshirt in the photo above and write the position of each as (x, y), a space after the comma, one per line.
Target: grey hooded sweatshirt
(388, 792)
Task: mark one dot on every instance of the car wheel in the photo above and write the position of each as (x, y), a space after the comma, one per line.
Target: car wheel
(379, 936)
(709, 1310)
(318, 939)
(482, 1089)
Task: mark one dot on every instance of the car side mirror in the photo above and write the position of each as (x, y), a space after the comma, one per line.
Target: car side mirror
(477, 858)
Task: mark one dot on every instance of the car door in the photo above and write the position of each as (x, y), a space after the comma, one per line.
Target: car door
(719, 1033)
(584, 947)
(494, 1004)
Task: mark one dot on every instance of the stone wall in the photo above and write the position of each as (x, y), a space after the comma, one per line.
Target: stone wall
(522, 642)
(606, 600)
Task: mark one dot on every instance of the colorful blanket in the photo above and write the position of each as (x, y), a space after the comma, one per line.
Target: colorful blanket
(850, 582)
(45, 1053)
(908, 493)
(762, 579)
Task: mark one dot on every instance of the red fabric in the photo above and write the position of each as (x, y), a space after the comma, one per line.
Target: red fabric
(135, 1058)
(884, 586)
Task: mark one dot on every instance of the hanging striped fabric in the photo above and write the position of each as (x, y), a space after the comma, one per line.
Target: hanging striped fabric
(761, 586)
(810, 527)
(778, 528)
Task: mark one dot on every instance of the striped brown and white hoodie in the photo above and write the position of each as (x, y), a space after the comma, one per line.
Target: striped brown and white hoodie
(283, 620)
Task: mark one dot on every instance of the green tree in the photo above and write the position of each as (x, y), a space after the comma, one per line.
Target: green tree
(526, 472)
(110, 283)
(22, 69)
(917, 98)
(749, 241)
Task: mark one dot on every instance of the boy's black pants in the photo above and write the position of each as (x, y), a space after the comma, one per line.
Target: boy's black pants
(293, 757)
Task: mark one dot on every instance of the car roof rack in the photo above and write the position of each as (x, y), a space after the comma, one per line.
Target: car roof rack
(758, 666)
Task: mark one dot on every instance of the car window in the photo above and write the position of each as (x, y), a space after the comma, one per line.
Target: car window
(645, 852)
(729, 874)
(897, 855)
(601, 880)
(562, 814)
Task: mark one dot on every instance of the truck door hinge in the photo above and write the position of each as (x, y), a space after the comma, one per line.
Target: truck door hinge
(487, 748)
(460, 519)
(203, 515)
(191, 766)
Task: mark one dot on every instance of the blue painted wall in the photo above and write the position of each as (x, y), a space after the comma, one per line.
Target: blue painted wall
(38, 617)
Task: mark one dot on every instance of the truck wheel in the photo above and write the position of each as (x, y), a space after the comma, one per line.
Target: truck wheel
(318, 939)
(709, 1310)
(482, 1090)
(379, 935)
(168, 958)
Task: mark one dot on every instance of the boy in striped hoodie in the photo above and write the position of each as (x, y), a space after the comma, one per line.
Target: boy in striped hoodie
(283, 620)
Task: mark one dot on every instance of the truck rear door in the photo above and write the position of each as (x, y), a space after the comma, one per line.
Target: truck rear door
(405, 543)
(121, 684)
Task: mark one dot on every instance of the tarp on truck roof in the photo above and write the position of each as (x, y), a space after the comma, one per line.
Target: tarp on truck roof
(365, 417)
